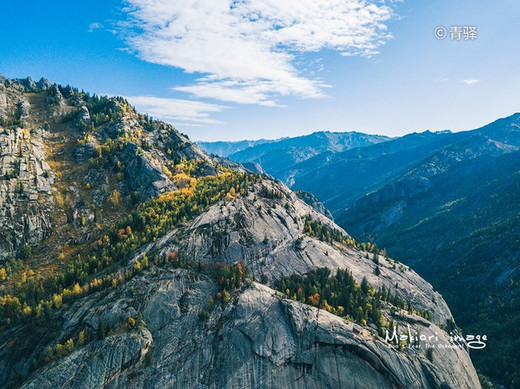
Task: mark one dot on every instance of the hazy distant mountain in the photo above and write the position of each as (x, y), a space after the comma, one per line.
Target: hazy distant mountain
(223, 148)
(277, 156)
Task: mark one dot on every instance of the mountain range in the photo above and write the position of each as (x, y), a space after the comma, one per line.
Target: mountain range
(279, 156)
(455, 218)
(131, 258)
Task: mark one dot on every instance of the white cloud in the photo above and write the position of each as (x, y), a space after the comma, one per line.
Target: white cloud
(470, 81)
(94, 26)
(246, 50)
(177, 111)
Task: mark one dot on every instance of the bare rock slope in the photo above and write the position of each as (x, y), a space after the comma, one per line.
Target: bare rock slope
(259, 340)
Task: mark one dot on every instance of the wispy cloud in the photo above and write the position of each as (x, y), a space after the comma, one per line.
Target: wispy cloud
(177, 111)
(246, 51)
(470, 81)
(442, 79)
(94, 26)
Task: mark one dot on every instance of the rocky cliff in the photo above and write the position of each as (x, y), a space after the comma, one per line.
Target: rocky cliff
(258, 340)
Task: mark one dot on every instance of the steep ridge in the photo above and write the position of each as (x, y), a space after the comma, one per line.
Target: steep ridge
(142, 278)
(314, 202)
(95, 158)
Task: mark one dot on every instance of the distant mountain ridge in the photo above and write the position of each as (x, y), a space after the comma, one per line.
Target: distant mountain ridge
(338, 179)
(225, 148)
(277, 156)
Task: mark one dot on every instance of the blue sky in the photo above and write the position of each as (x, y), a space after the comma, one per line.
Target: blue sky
(229, 70)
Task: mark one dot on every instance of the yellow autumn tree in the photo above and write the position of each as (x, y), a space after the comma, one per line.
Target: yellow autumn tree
(76, 289)
(114, 197)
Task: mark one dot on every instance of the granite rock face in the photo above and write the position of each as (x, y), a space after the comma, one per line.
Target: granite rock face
(251, 230)
(146, 177)
(26, 200)
(13, 104)
(84, 114)
(259, 340)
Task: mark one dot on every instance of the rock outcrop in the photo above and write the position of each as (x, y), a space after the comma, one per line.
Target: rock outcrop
(26, 181)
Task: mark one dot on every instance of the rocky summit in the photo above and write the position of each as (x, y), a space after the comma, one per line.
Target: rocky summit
(130, 258)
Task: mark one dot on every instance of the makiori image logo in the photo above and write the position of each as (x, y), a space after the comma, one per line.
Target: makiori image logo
(414, 339)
